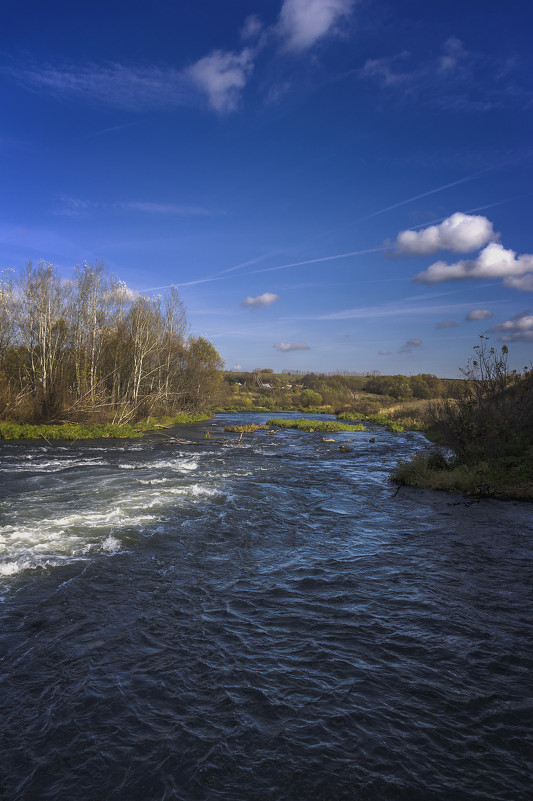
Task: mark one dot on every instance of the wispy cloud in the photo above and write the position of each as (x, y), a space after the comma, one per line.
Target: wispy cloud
(304, 22)
(494, 261)
(220, 76)
(455, 79)
(517, 329)
(284, 347)
(384, 352)
(461, 233)
(252, 27)
(479, 314)
(72, 206)
(162, 208)
(266, 299)
(131, 88)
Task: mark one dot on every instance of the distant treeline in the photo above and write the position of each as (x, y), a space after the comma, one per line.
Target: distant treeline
(90, 349)
(340, 392)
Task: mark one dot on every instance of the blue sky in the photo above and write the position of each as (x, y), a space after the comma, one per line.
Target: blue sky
(332, 184)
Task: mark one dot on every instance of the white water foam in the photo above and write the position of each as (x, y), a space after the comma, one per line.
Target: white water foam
(32, 540)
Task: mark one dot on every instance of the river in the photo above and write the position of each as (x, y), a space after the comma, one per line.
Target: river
(269, 619)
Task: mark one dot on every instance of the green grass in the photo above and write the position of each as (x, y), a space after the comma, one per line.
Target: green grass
(315, 425)
(71, 431)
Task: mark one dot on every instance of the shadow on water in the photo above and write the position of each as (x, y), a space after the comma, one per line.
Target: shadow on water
(266, 619)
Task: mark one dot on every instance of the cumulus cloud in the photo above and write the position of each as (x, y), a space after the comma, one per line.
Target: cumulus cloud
(461, 233)
(494, 261)
(415, 342)
(522, 282)
(266, 299)
(479, 314)
(222, 76)
(384, 353)
(304, 22)
(287, 346)
(446, 324)
(517, 329)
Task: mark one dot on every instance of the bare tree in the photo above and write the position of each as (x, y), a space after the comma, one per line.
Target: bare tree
(43, 332)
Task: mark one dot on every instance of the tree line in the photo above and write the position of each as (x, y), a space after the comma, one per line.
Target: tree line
(88, 348)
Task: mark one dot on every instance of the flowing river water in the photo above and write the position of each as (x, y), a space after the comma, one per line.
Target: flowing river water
(265, 619)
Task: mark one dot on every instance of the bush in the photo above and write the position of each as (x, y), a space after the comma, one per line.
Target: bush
(309, 397)
(490, 416)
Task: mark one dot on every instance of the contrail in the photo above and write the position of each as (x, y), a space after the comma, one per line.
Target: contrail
(221, 277)
(222, 274)
(110, 130)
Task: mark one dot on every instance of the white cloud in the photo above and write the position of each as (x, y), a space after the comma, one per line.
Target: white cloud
(384, 353)
(494, 261)
(304, 22)
(252, 27)
(461, 233)
(266, 299)
(446, 324)
(479, 314)
(222, 76)
(522, 282)
(287, 346)
(517, 329)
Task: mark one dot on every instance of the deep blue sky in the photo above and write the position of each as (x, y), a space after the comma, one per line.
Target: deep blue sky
(265, 156)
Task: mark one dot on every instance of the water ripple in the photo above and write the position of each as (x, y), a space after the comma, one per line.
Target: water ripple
(260, 622)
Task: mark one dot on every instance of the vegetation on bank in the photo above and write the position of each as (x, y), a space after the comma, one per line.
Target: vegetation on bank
(488, 428)
(397, 425)
(89, 350)
(74, 431)
(355, 394)
(251, 428)
(315, 425)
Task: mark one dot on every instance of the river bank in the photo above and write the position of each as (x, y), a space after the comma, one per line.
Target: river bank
(93, 431)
